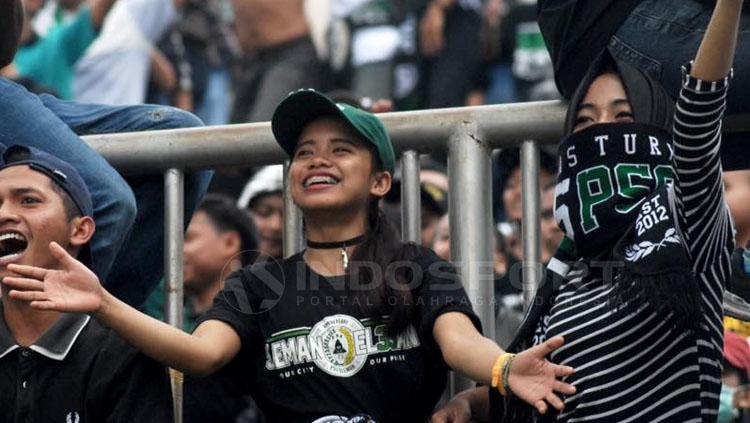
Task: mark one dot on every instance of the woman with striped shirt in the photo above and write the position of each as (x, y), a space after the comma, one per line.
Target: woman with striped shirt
(636, 288)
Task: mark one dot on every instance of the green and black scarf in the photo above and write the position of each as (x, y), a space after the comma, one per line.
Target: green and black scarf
(615, 202)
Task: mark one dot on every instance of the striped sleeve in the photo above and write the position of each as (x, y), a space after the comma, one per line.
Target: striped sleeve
(703, 215)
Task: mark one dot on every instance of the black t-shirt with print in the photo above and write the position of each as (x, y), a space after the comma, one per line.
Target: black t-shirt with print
(311, 351)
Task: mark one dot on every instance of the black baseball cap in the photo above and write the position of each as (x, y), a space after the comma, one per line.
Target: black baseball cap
(303, 106)
(62, 174)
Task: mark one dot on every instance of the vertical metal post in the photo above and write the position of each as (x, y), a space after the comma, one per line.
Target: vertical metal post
(411, 205)
(469, 195)
(174, 216)
(293, 232)
(530, 221)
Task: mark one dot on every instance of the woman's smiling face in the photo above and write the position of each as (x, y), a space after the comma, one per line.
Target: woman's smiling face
(606, 102)
(332, 168)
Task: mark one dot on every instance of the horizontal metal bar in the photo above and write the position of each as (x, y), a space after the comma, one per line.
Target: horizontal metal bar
(253, 144)
(424, 131)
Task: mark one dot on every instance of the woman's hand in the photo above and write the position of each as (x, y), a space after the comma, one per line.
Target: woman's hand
(73, 288)
(532, 378)
(535, 380)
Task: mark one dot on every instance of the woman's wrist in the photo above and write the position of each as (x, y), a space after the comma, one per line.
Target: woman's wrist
(501, 373)
(105, 305)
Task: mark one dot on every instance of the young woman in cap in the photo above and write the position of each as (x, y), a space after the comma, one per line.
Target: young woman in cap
(358, 325)
(636, 287)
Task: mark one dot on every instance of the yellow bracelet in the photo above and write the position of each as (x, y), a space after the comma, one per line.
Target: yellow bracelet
(497, 371)
(505, 375)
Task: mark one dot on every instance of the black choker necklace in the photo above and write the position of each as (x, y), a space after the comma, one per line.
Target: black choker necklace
(338, 244)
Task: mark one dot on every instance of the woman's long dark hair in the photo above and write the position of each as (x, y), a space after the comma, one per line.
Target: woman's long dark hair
(391, 294)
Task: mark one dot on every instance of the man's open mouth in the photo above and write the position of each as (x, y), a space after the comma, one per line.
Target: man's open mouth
(12, 245)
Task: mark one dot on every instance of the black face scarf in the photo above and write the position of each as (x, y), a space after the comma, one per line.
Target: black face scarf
(636, 171)
(614, 201)
(11, 24)
(606, 172)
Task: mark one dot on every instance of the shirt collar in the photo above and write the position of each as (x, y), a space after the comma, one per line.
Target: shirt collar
(55, 343)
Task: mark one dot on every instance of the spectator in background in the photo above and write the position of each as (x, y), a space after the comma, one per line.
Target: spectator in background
(509, 286)
(221, 239)
(550, 232)
(116, 68)
(54, 13)
(735, 392)
(450, 44)
(737, 194)
(508, 297)
(49, 60)
(532, 70)
(263, 197)
(506, 186)
(363, 39)
(737, 189)
(433, 199)
(200, 50)
(441, 243)
(278, 56)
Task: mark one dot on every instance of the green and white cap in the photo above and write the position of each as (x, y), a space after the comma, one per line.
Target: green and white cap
(303, 106)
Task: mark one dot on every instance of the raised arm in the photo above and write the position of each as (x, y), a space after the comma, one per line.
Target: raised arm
(76, 289)
(716, 53)
(532, 378)
(703, 216)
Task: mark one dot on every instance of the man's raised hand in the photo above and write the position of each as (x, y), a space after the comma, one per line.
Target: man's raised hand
(72, 288)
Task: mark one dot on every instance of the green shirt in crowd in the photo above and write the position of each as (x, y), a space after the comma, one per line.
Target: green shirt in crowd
(154, 307)
(50, 61)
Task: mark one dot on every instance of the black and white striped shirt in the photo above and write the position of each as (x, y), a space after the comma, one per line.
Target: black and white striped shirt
(631, 363)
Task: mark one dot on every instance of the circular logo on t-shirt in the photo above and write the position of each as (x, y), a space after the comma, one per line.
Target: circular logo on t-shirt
(337, 334)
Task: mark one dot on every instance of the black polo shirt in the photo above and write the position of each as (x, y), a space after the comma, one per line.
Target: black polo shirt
(80, 372)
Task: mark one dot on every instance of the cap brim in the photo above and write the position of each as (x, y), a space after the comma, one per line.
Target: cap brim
(295, 112)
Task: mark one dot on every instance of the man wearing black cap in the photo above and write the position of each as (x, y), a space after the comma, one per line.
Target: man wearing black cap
(129, 213)
(62, 367)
